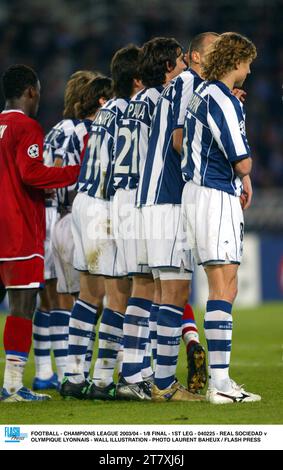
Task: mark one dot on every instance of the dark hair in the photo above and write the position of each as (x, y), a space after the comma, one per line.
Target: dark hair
(156, 55)
(73, 91)
(124, 69)
(16, 79)
(196, 43)
(98, 87)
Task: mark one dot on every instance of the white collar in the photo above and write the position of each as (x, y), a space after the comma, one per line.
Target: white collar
(12, 111)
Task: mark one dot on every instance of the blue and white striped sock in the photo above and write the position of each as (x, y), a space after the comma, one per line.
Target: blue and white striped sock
(42, 345)
(136, 331)
(81, 324)
(59, 331)
(153, 331)
(110, 339)
(218, 323)
(89, 353)
(146, 366)
(169, 332)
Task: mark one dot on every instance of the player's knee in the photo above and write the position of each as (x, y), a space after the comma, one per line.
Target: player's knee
(93, 297)
(45, 305)
(157, 292)
(117, 301)
(175, 294)
(232, 293)
(22, 303)
(143, 288)
(227, 293)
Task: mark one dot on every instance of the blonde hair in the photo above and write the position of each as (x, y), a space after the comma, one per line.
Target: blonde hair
(225, 53)
(74, 89)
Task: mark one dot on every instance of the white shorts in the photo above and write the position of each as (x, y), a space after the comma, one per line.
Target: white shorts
(68, 279)
(95, 247)
(164, 239)
(172, 274)
(49, 267)
(214, 225)
(127, 231)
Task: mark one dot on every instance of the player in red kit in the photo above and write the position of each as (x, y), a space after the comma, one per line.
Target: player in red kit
(23, 178)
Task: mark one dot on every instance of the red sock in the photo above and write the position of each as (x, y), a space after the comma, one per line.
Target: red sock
(188, 314)
(17, 335)
(189, 329)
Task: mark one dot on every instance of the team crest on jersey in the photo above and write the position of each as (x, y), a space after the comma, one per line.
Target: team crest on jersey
(33, 151)
(242, 127)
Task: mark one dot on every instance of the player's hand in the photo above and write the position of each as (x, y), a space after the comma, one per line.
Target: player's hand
(247, 194)
(50, 193)
(240, 94)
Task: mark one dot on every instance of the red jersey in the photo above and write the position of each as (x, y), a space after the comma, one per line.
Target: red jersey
(23, 178)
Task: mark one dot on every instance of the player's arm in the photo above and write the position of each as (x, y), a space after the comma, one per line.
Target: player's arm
(246, 197)
(70, 147)
(181, 95)
(178, 140)
(61, 152)
(30, 162)
(228, 128)
(243, 167)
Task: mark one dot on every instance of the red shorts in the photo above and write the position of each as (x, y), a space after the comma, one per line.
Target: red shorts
(22, 274)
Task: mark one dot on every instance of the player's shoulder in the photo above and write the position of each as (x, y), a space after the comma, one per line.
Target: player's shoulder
(218, 90)
(82, 127)
(66, 126)
(140, 95)
(188, 77)
(114, 103)
(222, 96)
(18, 116)
(184, 83)
(121, 104)
(25, 124)
(108, 105)
(153, 94)
(85, 124)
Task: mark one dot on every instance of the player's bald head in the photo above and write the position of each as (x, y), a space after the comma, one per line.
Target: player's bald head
(200, 42)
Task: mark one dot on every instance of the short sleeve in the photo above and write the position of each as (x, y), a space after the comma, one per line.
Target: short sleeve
(30, 144)
(182, 92)
(226, 121)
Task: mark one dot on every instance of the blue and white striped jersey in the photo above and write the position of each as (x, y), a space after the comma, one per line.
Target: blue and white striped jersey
(133, 134)
(66, 141)
(161, 181)
(214, 138)
(57, 140)
(96, 176)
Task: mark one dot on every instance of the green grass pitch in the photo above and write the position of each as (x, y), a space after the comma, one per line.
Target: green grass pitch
(257, 361)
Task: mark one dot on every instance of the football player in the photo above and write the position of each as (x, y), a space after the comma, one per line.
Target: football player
(22, 219)
(51, 319)
(216, 157)
(93, 226)
(161, 60)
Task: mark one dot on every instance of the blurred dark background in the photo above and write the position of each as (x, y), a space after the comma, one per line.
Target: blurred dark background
(57, 37)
